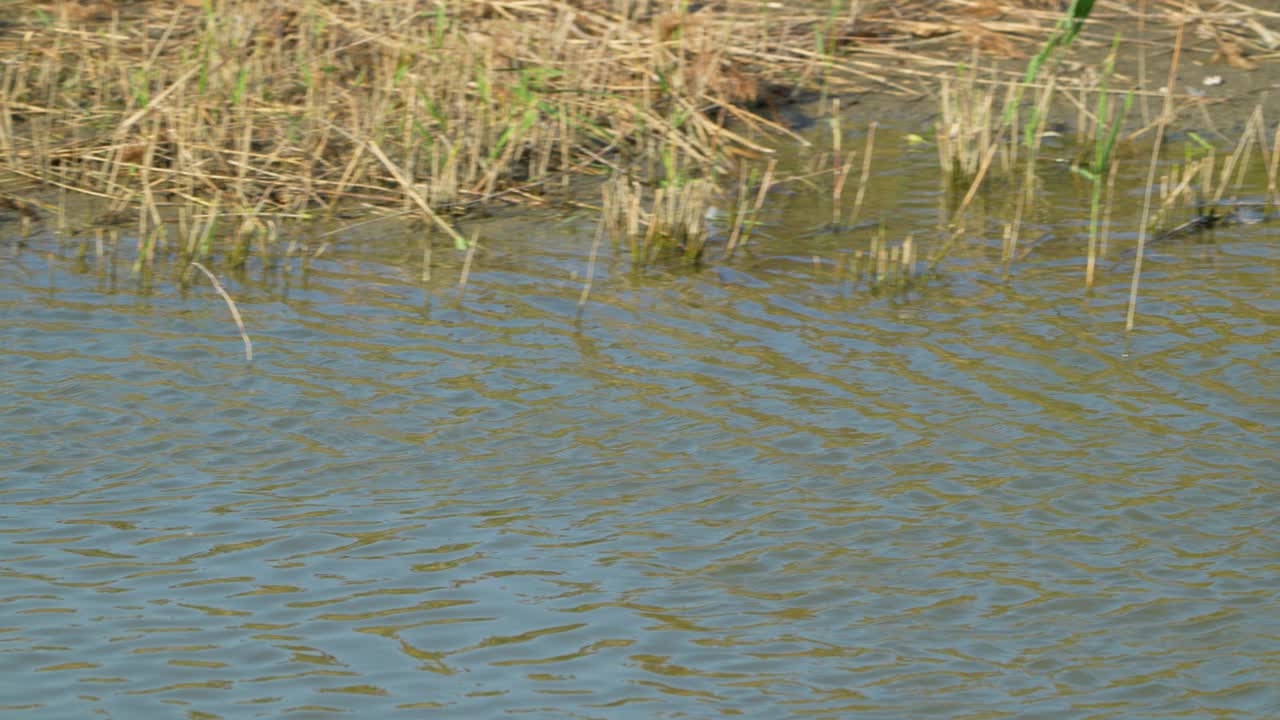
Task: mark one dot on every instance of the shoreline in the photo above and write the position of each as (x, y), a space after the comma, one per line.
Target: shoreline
(274, 114)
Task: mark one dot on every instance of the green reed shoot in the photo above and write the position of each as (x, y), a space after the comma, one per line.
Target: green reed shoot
(1068, 27)
(1103, 148)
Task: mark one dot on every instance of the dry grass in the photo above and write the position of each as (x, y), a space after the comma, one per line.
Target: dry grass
(282, 109)
(206, 124)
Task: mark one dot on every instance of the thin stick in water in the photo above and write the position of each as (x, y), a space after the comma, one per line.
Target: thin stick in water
(1272, 191)
(407, 184)
(866, 172)
(466, 263)
(235, 312)
(1151, 177)
(591, 265)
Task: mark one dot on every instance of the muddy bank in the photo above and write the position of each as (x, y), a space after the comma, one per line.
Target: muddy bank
(1222, 77)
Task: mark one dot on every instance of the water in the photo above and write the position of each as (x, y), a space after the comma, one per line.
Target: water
(778, 496)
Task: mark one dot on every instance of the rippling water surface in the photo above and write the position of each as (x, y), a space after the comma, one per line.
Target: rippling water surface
(755, 492)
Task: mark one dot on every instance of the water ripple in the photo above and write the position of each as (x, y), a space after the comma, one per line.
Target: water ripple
(778, 498)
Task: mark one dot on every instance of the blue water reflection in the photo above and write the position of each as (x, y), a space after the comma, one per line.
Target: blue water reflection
(769, 499)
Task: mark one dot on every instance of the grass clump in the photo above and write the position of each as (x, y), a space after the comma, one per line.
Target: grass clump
(231, 113)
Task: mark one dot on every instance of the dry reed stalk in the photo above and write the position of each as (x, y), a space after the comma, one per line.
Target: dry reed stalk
(1108, 206)
(840, 165)
(1237, 161)
(231, 304)
(1182, 191)
(865, 178)
(872, 258)
(976, 183)
(1206, 174)
(1272, 170)
(841, 171)
(1026, 199)
(199, 241)
(412, 191)
(1009, 242)
(740, 206)
(682, 219)
(8, 141)
(736, 241)
(956, 228)
(466, 263)
(1143, 103)
(1161, 122)
(591, 265)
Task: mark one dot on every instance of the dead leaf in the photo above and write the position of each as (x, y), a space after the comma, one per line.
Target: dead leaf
(1230, 52)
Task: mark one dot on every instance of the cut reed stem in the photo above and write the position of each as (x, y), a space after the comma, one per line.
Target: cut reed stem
(1161, 122)
(231, 304)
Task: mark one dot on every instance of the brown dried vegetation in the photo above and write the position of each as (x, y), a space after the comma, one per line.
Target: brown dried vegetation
(230, 116)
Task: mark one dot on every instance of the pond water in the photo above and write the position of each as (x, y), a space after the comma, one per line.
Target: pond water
(753, 490)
